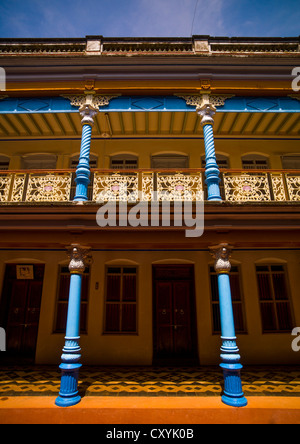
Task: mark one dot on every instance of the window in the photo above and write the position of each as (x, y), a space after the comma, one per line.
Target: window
(63, 298)
(222, 161)
(121, 300)
(4, 163)
(291, 162)
(75, 159)
(123, 162)
(255, 162)
(170, 161)
(275, 307)
(236, 295)
(39, 162)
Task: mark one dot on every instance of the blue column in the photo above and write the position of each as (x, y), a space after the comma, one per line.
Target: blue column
(212, 172)
(83, 169)
(230, 358)
(70, 358)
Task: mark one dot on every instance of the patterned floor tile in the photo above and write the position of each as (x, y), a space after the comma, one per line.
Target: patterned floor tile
(149, 381)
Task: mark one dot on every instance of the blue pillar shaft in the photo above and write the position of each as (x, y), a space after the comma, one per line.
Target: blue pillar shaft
(212, 171)
(70, 365)
(83, 169)
(232, 394)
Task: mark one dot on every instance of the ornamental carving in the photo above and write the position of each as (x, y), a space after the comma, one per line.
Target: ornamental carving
(221, 253)
(49, 187)
(91, 100)
(246, 187)
(79, 257)
(179, 187)
(205, 99)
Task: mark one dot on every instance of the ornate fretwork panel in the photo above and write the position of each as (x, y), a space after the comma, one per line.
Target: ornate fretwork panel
(293, 186)
(5, 183)
(246, 187)
(49, 187)
(115, 187)
(147, 186)
(179, 187)
(17, 192)
(278, 187)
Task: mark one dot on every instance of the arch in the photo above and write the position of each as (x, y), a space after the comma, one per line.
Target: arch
(173, 261)
(270, 260)
(121, 262)
(24, 260)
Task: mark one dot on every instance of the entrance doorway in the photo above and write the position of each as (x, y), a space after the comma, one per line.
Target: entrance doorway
(175, 332)
(20, 309)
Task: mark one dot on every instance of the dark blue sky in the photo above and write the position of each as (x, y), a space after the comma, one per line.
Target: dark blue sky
(149, 18)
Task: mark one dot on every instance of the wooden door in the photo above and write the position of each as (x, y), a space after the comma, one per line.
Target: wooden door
(22, 299)
(174, 320)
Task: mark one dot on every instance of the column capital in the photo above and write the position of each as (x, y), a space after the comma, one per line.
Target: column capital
(79, 257)
(206, 104)
(222, 253)
(89, 104)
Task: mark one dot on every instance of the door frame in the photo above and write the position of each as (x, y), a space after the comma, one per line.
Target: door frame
(5, 305)
(194, 357)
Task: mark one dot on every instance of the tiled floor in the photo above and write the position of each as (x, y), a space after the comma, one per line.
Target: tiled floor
(149, 381)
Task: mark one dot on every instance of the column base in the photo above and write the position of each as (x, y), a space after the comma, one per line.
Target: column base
(67, 402)
(233, 394)
(234, 402)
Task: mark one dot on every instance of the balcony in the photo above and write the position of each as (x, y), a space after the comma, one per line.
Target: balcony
(139, 185)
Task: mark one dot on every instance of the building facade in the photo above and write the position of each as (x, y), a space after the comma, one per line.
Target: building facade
(89, 121)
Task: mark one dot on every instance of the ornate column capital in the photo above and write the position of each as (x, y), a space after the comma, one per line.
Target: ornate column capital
(79, 257)
(206, 105)
(222, 253)
(89, 104)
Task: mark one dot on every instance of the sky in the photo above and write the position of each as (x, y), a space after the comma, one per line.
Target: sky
(149, 18)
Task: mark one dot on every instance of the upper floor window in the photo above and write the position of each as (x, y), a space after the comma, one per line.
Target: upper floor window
(222, 161)
(291, 162)
(255, 162)
(4, 163)
(170, 161)
(274, 300)
(75, 159)
(123, 162)
(39, 161)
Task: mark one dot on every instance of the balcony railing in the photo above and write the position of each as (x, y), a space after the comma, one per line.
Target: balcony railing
(139, 185)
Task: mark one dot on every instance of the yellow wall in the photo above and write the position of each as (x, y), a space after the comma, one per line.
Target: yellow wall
(144, 148)
(97, 348)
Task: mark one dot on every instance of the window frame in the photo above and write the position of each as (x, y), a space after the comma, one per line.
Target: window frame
(121, 302)
(274, 301)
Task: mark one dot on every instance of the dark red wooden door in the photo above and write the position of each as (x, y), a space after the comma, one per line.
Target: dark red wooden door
(23, 314)
(174, 320)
